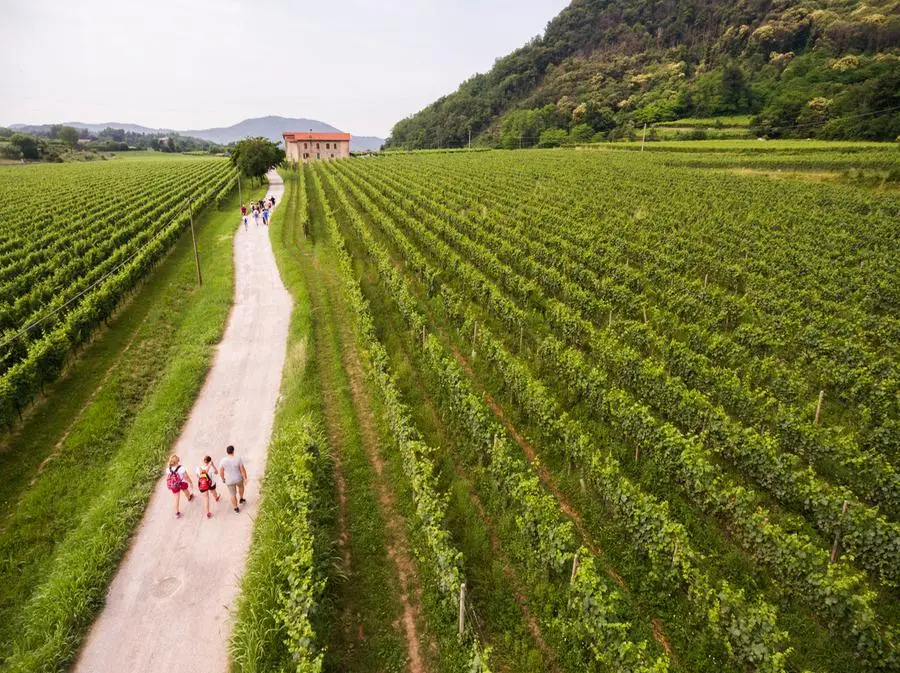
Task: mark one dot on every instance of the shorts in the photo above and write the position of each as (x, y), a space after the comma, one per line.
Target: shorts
(233, 486)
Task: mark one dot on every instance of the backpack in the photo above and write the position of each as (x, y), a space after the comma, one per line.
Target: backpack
(204, 481)
(174, 480)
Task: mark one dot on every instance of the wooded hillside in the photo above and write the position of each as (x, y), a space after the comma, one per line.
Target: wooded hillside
(603, 68)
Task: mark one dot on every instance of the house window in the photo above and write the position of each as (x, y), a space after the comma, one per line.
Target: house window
(318, 156)
(327, 146)
(304, 146)
(318, 145)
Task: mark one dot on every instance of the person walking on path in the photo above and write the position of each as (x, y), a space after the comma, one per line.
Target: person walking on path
(234, 474)
(266, 216)
(206, 482)
(178, 480)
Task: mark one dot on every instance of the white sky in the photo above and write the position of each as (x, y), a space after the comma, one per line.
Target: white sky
(360, 65)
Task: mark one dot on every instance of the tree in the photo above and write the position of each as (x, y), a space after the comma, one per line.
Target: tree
(553, 138)
(255, 156)
(68, 135)
(26, 144)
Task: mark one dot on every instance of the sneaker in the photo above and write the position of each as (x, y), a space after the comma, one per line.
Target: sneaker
(218, 497)
(190, 497)
(209, 515)
(177, 515)
(237, 509)
(242, 501)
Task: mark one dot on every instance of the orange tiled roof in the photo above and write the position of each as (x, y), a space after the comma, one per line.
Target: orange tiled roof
(293, 136)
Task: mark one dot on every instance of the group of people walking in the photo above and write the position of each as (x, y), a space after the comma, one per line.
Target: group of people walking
(261, 209)
(231, 470)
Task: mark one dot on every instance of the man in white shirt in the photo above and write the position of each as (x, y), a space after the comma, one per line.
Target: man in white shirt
(234, 474)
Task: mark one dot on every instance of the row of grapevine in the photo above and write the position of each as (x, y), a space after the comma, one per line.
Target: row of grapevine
(873, 540)
(29, 368)
(867, 472)
(748, 629)
(416, 455)
(836, 586)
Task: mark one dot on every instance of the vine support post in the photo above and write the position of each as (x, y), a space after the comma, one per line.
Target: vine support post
(705, 280)
(819, 405)
(637, 452)
(574, 568)
(462, 608)
(644, 308)
(194, 241)
(240, 191)
(423, 337)
(521, 336)
(610, 318)
(836, 547)
(474, 337)
(674, 552)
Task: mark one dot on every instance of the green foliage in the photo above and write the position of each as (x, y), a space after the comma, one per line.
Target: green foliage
(255, 156)
(641, 62)
(553, 138)
(128, 215)
(68, 135)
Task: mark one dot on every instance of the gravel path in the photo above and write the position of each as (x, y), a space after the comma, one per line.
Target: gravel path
(169, 607)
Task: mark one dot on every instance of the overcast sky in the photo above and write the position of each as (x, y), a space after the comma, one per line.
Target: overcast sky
(360, 65)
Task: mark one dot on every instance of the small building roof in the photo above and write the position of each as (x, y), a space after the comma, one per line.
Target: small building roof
(294, 136)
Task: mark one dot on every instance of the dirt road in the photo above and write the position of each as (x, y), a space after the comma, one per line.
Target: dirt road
(169, 607)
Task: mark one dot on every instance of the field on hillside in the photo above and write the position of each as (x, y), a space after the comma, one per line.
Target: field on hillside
(645, 405)
(73, 240)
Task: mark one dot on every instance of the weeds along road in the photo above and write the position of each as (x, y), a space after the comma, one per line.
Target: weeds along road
(173, 595)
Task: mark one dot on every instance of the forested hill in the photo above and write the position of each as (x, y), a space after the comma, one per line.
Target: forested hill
(603, 68)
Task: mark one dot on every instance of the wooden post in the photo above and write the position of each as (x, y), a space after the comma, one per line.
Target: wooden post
(194, 240)
(674, 551)
(836, 547)
(637, 452)
(819, 405)
(610, 318)
(423, 336)
(521, 336)
(574, 568)
(643, 137)
(462, 608)
(474, 337)
(583, 487)
(645, 313)
(705, 280)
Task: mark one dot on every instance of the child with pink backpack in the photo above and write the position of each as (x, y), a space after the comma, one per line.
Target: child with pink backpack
(178, 480)
(206, 482)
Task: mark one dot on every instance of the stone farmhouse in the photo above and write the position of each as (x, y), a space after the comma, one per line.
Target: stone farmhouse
(303, 147)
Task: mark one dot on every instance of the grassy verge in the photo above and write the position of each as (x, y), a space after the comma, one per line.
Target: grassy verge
(68, 522)
(263, 639)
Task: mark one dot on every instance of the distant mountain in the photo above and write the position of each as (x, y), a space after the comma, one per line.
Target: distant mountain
(268, 127)
(272, 127)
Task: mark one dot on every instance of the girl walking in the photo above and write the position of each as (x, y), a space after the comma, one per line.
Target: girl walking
(206, 482)
(178, 480)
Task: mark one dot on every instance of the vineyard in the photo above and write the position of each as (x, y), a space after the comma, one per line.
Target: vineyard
(74, 240)
(644, 411)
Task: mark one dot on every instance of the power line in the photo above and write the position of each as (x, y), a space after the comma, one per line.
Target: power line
(37, 322)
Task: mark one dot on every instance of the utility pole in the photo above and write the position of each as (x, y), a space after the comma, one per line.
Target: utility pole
(194, 239)
(643, 137)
